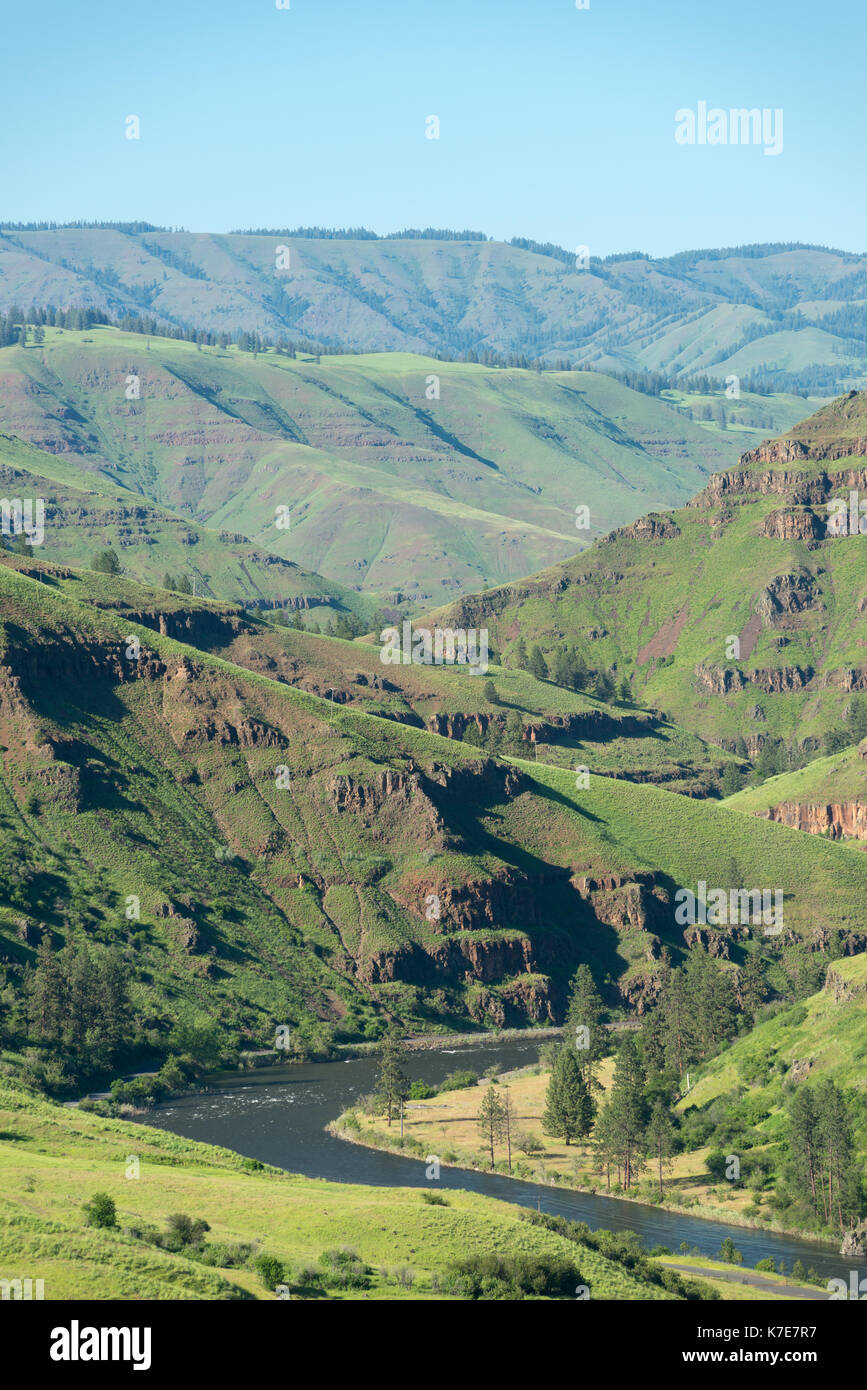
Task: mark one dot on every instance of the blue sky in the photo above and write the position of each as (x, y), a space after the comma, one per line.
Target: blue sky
(555, 123)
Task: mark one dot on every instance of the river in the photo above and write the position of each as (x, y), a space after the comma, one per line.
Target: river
(278, 1115)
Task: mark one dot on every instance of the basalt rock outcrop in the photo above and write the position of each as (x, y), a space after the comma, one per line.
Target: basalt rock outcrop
(842, 820)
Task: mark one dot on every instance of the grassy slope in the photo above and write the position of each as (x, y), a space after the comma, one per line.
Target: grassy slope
(389, 490)
(87, 511)
(832, 1037)
(52, 1159)
(570, 727)
(669, 606)
(142, 784)
(839, 778)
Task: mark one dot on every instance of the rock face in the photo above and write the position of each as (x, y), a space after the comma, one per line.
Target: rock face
(788, 524)
(648, 528)
(842, 990)
(841, 820)
(786, 596)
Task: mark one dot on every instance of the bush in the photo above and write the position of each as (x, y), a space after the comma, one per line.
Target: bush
(729, 1253)
(434, 1199)
(344, 1269)
(766, 1266)
(420, 1090)
(512, 1276)
(185, 1230)
(270, 1270)
(459, 1080)
(100, 1211)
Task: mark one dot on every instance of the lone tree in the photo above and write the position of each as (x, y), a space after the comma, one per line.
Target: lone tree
(510, 1117)
(568, 1112)
(490, 1119)
(392, 1084)
(660, 1138)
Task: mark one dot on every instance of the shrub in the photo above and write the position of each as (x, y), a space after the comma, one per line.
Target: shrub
(459, 1080)
(512, 1276)
(420, 1090)
(185, 1230)
(100, 1211)
(434, 1199)
(729, 1253)
(270, 1270)
(344, 1269)
(767, 1266)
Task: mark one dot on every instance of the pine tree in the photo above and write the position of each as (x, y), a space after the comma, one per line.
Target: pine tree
(839, 1179)
(513, 735)
(605, 1143)
(509, 1121)
(627, 1110)
(804, 1141)
(490, 1119)
(660, 1138)
(520, 659)
(568, 1112)
(392, 1083)
(106, 562)
(538, 666)
(584, 1028)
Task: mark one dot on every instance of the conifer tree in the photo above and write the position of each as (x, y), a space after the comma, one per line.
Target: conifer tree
(568, 1112)
(490, 1119)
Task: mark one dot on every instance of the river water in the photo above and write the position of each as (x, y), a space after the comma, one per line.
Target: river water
(278, 1115)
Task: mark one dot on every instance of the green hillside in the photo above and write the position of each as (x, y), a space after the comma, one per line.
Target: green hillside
(522, 716)
(825, 1037)
(53, 1159)
(387, 491)
(288, 859)
(86, 513)
(795, 314)
(740, 614)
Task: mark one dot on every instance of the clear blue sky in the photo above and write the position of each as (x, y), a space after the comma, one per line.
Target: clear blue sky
(556, 123)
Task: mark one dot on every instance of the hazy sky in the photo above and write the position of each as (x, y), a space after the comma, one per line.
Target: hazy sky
(555, 123)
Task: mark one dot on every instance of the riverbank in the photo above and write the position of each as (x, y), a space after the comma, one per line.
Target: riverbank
(445, 1126)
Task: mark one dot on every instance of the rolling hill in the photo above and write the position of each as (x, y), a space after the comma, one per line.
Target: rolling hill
(345, 467)
(792, 313)
(741, 614)
(87, 512)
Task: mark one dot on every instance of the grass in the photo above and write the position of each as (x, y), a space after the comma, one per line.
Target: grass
(434, 496)
(54, 1158)
(146, 779)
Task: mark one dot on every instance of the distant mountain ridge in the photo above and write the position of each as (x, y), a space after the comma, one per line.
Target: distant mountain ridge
(790, 315)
